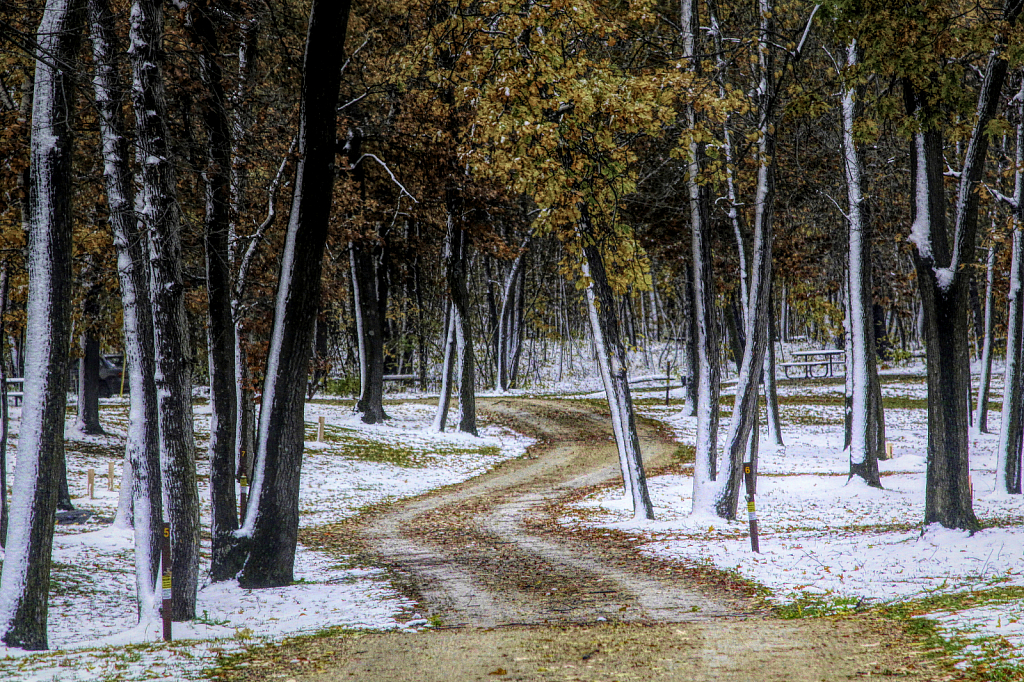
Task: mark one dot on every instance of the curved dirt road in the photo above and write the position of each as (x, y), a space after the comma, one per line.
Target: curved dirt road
(519, 603)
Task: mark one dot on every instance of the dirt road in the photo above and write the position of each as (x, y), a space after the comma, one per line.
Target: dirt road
(519, 602)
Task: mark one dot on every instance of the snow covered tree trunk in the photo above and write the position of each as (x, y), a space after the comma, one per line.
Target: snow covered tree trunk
(456, 272)
(140, 478)
(272, 518)
(25, 580)
(4, 415)
(691, 369)
(944, 298)
(510, 331)
(370, 335)
(771, 391)
(981, 412)
(1011, 432)
(447, 372)
(744, 417)
(943, 279)
(611, 356)
(158, 209)
(705, 317)
(861, 349)
(88, 419)
(224, 560)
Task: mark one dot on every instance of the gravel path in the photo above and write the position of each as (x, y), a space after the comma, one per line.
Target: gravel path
(520, 602)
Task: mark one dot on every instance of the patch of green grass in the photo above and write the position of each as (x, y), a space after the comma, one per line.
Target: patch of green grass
(347, 444)
(206, 620)
(68, 579)
(984, 658)
(809, 605)
(685, 454)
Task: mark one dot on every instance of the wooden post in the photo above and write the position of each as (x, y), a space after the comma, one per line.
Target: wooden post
(90, 483)
(166, 585)
(320, 430)
(110, 475)
(748, 478)
(243, 498)
(888, 449)
(668, 380)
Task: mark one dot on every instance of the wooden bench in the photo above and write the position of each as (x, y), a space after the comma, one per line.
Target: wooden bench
(808, 367)
(808, 360)
(19, 395)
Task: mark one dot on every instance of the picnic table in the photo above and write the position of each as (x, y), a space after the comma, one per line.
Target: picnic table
(19, 384)
(811, 360)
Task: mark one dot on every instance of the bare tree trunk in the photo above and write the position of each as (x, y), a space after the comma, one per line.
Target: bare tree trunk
(703, 282)
(864, 411)
(456, 271)
(691, 374)
(943, 281)
(771, 393)
(158, 209)
(509, 333)
(88, 419)
(981, 413)
(370, 335)
(1011, 432)
(25, 580)
(447, 371)
(4, 416)
(141, 474)
(224, 561)
(272, 519)
(744, 417)
(612, 361)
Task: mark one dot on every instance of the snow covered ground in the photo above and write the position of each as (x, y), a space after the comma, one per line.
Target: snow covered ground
(835, 544)
(93, 633)
(826, 544)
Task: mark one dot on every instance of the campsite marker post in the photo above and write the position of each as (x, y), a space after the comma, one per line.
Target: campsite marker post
(165, 582)
(748, 478)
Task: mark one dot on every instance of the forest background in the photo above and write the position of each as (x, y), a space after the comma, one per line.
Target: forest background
(475, 185)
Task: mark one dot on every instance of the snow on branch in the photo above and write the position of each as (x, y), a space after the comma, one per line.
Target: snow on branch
(385, 167)
(257, 237)
(999, 196)
(807, 32)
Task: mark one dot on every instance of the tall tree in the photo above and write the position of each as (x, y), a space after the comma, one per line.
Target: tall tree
(157, 208)
(1011, 431)
(25, 580)
(941, 252)
(701, 283)
(866, 410)
(141, 473)
(225, 562)
(272, 519)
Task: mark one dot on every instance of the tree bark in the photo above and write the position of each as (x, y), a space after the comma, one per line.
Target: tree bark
(272, 519)
(447, 371)
(25, 580)
(88, 419)
(944, 286)
(456, 273)
(510, 322)
(370, 335)
(4, 415)
(865, 413)
(141, 474)
(611, 357)
(1011, 432)
(225, 560)
(744, 418)
(981, 413)
(157, 208)
(705, 319)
